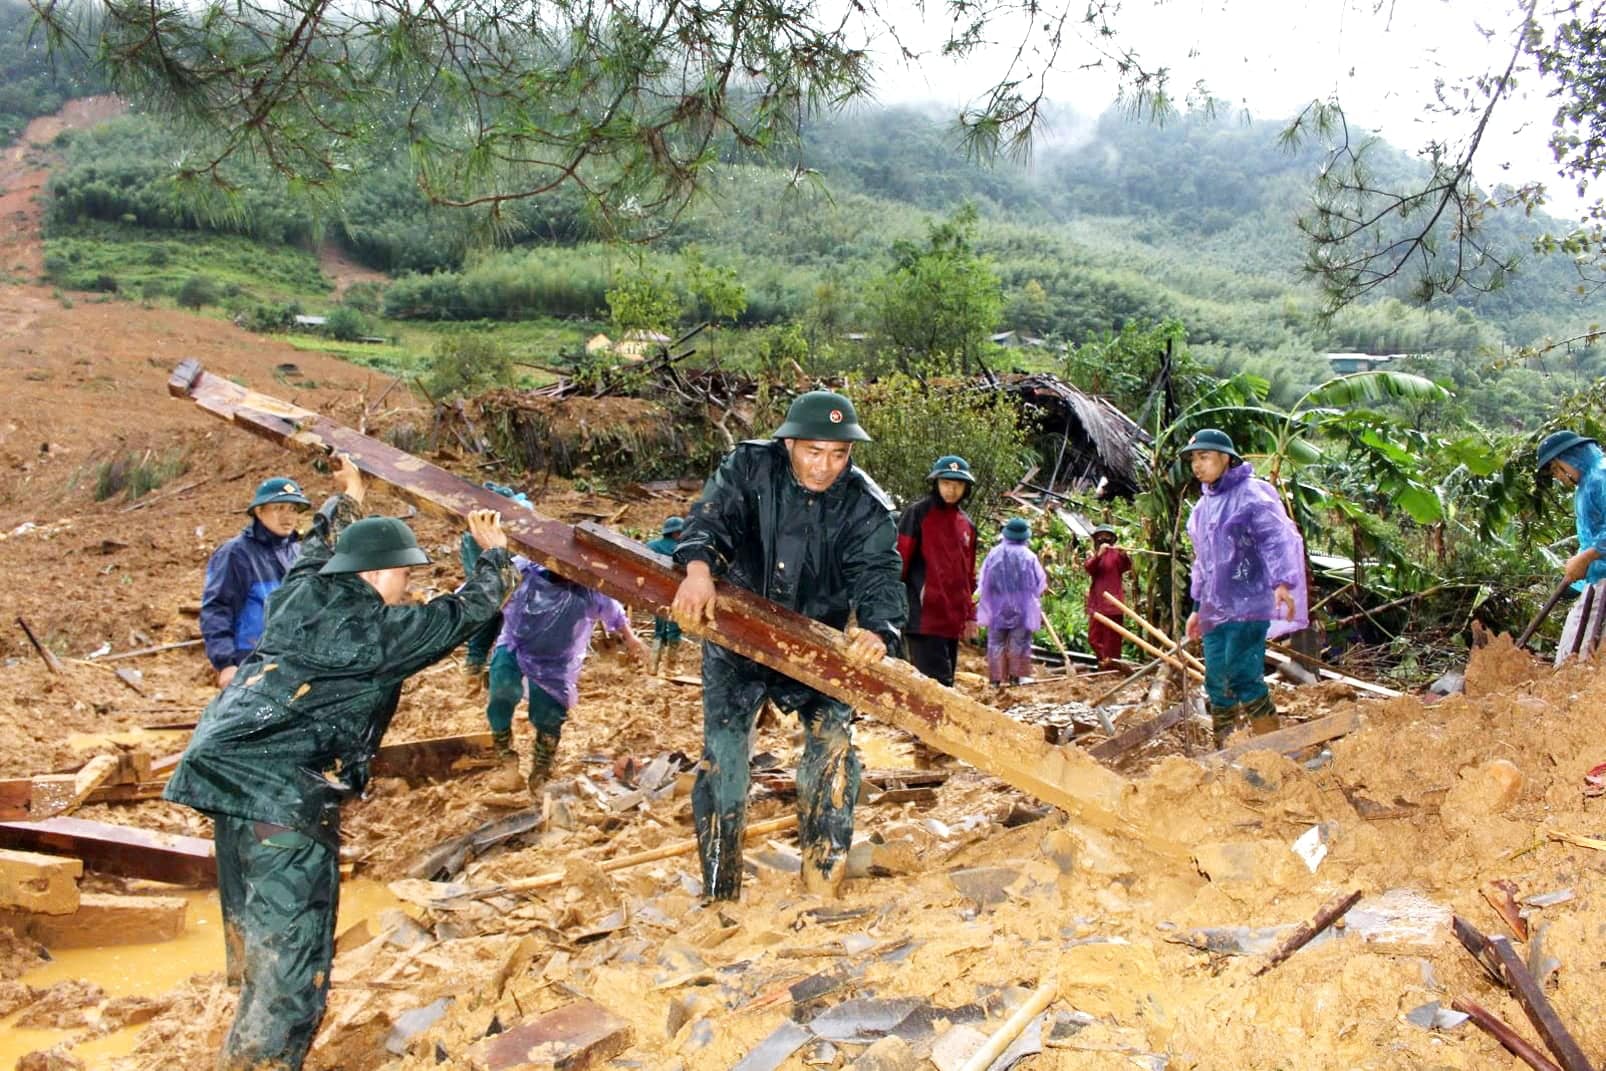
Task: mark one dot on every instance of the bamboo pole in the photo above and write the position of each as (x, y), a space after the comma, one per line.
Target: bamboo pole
(994, 1047)
(1151, 648)
(1065, 656)
(1177, 646)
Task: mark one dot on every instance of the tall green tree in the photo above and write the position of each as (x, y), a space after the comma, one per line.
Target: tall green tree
(941, 300)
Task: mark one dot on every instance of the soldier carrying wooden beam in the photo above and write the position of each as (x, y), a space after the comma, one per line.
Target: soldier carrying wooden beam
(291, 738)
(794, 520)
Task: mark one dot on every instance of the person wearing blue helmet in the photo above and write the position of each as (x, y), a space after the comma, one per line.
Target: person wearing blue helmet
(1577, 462)
(243, 572)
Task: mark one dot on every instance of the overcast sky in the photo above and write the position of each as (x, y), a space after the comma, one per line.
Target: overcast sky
(1275, 56)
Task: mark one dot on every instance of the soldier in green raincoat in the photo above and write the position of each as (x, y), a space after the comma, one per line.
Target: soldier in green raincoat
(794, 520)
(290, 739)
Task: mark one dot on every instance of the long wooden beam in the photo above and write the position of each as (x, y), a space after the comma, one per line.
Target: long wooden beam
(805, 650)
(122, 850)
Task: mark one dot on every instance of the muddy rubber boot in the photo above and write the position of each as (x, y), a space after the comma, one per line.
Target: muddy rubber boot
(1222, 722)
(825, 875)
(1260, 715)
(502, 746)
(657, 656)
(542, 756)
(720, 844)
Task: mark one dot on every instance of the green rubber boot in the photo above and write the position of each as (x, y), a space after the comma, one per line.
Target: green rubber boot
(502, 746)
(1223, 720)
(541, 759)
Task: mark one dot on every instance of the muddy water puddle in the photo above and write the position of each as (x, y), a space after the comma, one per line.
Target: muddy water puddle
(150, 970)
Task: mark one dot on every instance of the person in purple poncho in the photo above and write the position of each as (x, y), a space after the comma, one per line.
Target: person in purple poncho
(1012, 585)
(546, 633)
(1248, 579)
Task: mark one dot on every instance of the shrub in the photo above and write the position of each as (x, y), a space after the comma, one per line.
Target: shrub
(105, 282)
(136, 475)
(364, 297)
(346, 324)
(198, 291)
(913, 424)
(466, 364)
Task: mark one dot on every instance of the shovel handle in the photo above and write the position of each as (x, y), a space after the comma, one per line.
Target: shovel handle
(1544, 612)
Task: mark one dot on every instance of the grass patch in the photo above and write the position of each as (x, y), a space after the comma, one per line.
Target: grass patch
(136, 475)
(151, 264)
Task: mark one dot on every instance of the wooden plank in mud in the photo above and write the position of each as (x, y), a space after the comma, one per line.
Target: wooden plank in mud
(122, 850)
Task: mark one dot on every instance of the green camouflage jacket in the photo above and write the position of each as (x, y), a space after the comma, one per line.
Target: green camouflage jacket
(292, 736)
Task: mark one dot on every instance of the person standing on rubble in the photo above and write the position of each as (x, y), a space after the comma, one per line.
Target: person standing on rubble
(1248, 579)
(665, 633)
(795, 521)
(291, 738)
(937, 541)
(1107, 565)
(546, 635)
(1012, 586)
(477, 651)
(1578, 463)
(243, 572)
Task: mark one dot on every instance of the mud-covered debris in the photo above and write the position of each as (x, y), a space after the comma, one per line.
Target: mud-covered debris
(863, 1020)
(984, 885)
(1434, 1016)
(775, 1049)
(413, 1022)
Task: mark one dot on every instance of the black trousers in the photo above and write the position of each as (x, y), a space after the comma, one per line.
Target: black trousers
(934, 656)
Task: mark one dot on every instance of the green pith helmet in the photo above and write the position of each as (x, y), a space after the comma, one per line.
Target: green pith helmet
(1016, 530)
(824, 416)
(278, 489)
(1210, 439)
(375, 543)
(951, 467)
(1556, 444)
(1103, 530)
(674, 526)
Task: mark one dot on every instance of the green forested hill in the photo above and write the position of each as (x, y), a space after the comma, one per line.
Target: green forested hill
(1111, 224)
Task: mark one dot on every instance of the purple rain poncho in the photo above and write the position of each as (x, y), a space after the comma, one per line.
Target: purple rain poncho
(1011, 588)
(547, 625)
(1244, 546)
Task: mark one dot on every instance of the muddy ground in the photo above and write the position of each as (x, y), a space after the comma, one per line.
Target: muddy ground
(972, 895)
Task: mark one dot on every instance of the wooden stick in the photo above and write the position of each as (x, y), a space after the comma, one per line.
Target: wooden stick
(1065, 656)
(1544, 612)
(1182, 667)
(1497, 1028)
(1580, 840)
(994, 1047)
(44, 652)
(142, 651)
(1330, 913)
(666, 851)
(1544, 1018)
(1110, 693)
(164, 496)
(1323, 669)
(1176, 645)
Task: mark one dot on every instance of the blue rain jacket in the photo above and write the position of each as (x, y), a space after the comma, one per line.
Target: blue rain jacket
(240, 576)
(1589, 504)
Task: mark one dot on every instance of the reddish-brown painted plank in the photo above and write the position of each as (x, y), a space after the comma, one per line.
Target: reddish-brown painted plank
(121, 850)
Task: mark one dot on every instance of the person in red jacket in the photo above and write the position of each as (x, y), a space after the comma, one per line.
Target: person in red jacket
(938, 543)
(1107, 565)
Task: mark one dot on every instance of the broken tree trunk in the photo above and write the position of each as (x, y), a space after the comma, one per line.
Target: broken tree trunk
(748, 624)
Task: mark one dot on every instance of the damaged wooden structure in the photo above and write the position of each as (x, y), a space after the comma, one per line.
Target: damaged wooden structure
(806, 650)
